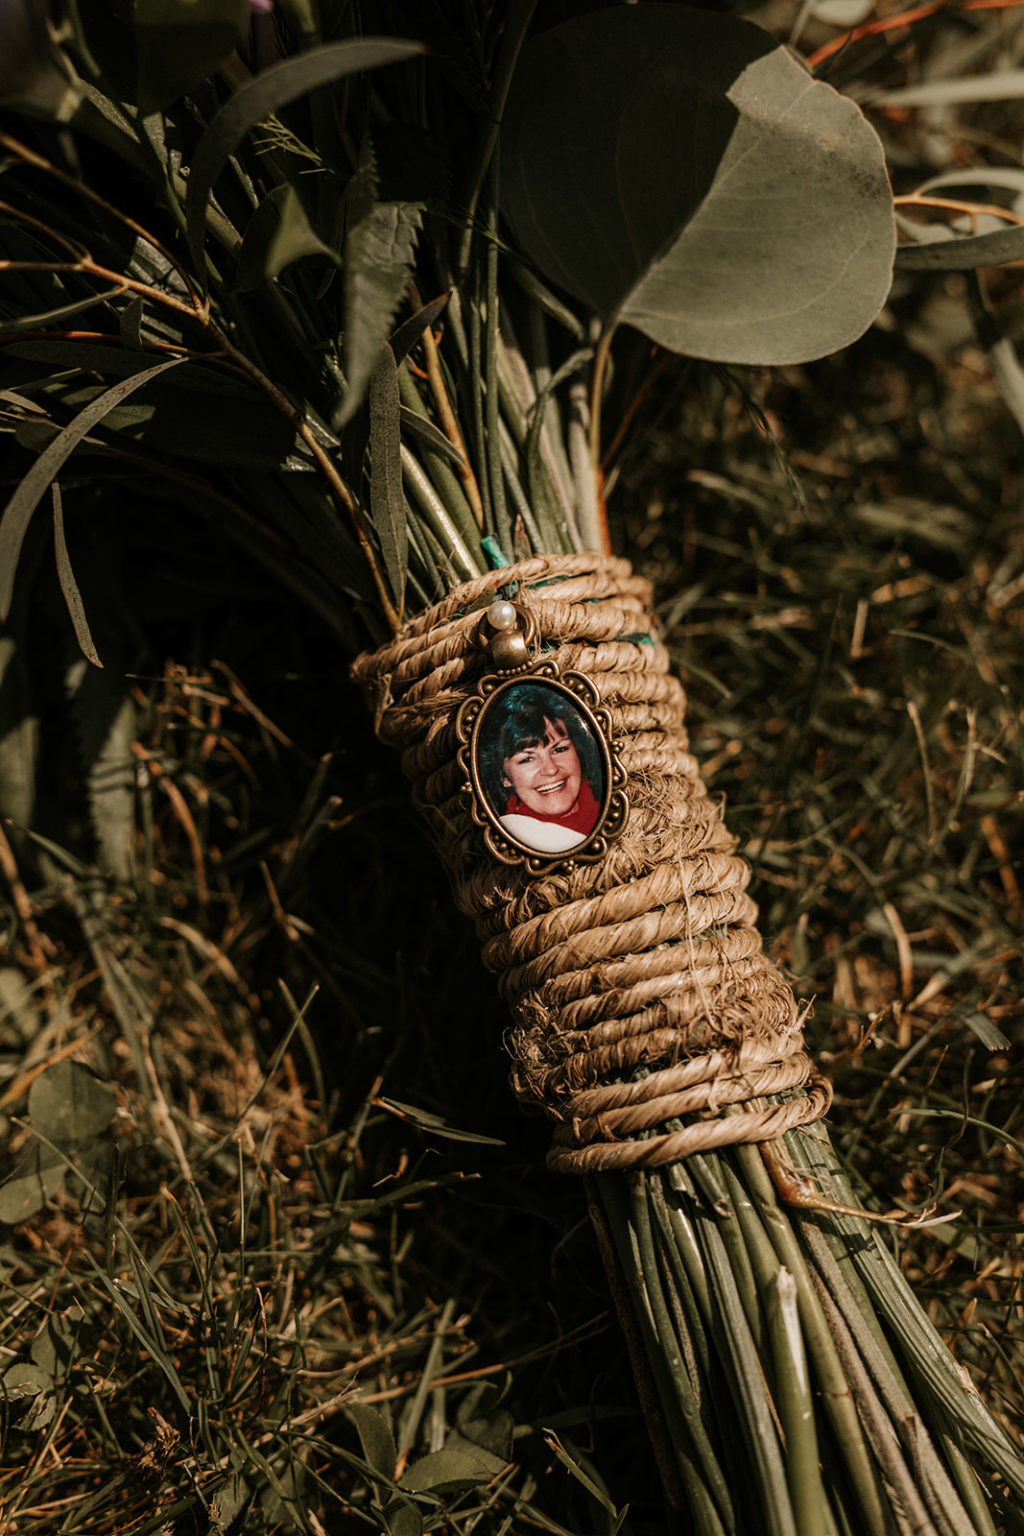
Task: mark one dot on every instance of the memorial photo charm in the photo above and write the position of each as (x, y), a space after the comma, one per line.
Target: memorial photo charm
(541, 762)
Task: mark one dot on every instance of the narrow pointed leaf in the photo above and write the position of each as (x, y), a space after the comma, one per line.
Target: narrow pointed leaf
(435, 1125)
(679, 171)
(16, 515)
(573, 1467)
(91, 357)
(432, 437)
(62, 312)
(962, 253)
(68, 584)
(379, 253)
(410, 331)
(264, 96)
(388, 507)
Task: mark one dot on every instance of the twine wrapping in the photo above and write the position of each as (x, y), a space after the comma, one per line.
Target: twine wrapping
(639, 991)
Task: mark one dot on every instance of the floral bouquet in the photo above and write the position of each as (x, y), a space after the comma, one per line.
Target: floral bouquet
(363, 280)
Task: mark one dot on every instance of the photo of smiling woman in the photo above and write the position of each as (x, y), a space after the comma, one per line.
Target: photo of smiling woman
(540, 767)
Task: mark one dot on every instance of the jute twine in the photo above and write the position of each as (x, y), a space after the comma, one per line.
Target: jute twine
(644, 1009)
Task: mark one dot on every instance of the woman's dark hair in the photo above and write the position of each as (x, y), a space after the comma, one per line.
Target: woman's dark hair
(517, 721)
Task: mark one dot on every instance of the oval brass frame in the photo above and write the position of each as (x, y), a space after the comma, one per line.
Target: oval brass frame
(471, 724)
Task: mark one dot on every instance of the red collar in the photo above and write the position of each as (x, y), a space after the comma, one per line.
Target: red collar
(582, 817)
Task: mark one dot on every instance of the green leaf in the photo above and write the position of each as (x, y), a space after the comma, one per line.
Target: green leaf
(379, 253)
(452, 1470)
(278, 234)
(90, 357)
(430, 436)
(61, 312)
(495, 1457)
(68, 584)
(15, 517)
(376, 1437)
(36, 1178)
(264, 96)
(54, 1349)
(29, 1381)
(313, 552)
(962, 253)
(494, 1429)
(401, 1517)
(435, 1124)
(25, 1381)
(583, 1478)
(35, 435)
(410, 331)
(388, 507)
(680, 172)
(179, 43)
(69, 1105)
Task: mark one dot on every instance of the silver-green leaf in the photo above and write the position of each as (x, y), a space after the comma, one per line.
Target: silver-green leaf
(679, 171)
(379, 252)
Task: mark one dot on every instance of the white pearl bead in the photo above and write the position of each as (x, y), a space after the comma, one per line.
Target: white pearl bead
(502, 615)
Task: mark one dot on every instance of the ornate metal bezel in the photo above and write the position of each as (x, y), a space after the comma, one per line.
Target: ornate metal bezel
(475, 719)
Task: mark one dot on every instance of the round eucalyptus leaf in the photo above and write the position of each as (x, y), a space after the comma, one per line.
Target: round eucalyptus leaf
(681, 172)
(26, 1381)
(29, 1384)
(69, 1105)
(26, 1190)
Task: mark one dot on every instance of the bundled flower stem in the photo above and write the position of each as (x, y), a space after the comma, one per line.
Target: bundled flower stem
(800, 1386)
